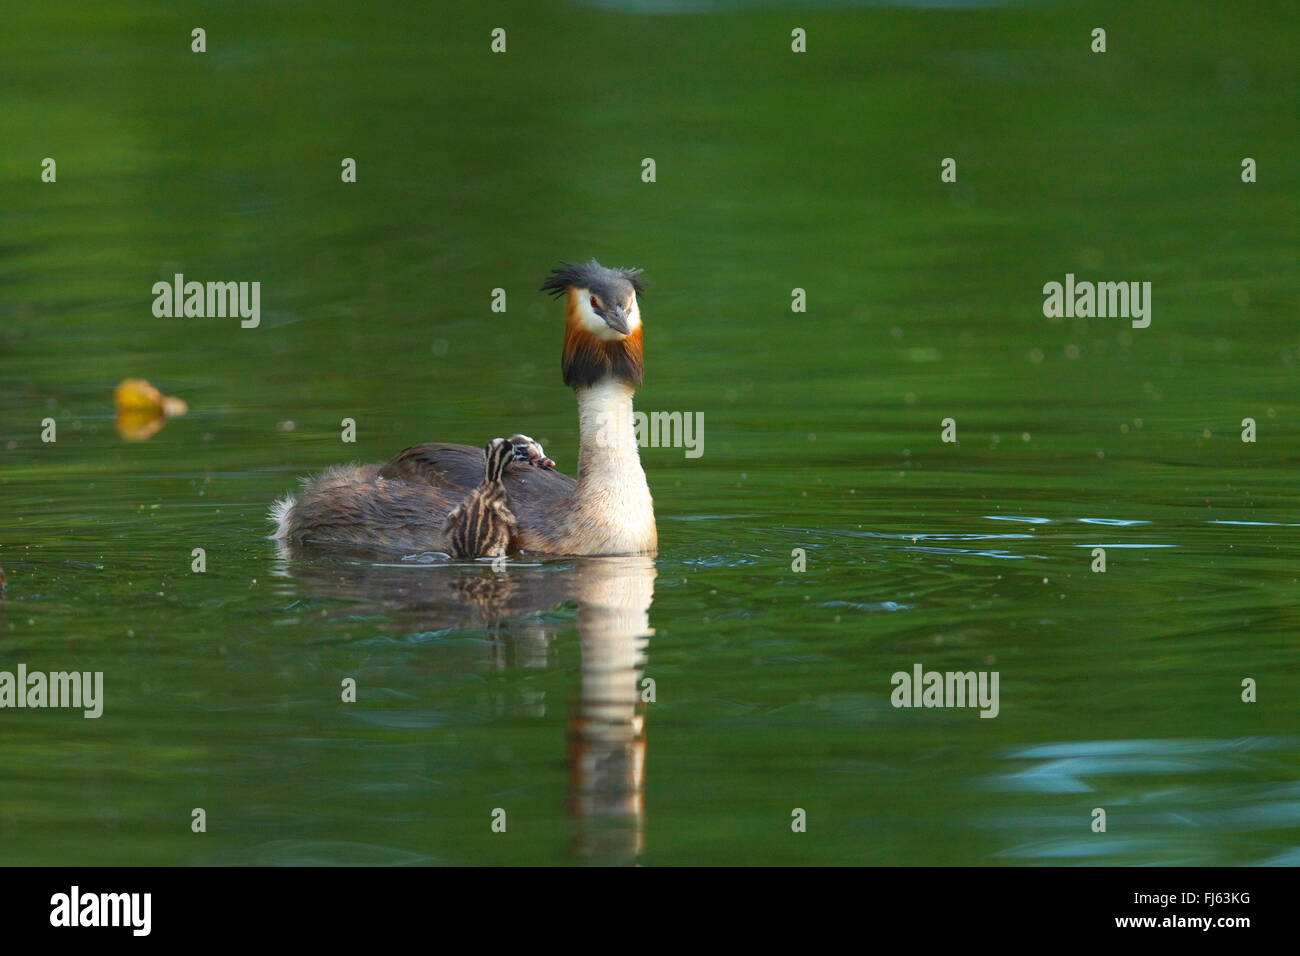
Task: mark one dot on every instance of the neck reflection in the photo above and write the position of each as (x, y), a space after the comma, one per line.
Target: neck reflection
(606, 727)
(606, 734)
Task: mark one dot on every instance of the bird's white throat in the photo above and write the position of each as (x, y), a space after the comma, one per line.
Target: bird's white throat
(610, 477)
(608, 436)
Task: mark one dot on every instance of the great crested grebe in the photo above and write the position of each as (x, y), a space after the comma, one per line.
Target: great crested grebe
(482, 526)
(403, 506)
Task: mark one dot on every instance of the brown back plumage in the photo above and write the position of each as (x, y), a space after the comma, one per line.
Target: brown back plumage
(539, 497)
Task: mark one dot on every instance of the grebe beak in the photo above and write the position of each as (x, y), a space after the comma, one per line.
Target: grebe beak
(616, 318)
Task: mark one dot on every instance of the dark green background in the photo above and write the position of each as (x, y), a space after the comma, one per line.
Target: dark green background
(775, 171)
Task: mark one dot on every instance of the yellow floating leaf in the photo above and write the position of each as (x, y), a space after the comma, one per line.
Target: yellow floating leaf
(142, 409)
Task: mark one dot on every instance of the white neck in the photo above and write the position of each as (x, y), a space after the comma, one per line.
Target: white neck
(611, 483)
(608, 439)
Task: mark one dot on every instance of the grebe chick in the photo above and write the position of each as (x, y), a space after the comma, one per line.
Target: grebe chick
(482, 526)
(403, 505)
(529, 450)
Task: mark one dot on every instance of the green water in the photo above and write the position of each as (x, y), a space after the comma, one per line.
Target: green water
(520, 690)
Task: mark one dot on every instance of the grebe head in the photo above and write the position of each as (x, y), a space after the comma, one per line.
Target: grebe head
(500, 452)
(602, 334)
(530, 450)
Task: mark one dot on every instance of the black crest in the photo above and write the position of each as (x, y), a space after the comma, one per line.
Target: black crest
(591, 275)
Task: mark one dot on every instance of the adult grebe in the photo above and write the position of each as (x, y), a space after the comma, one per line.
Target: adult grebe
(403, 506)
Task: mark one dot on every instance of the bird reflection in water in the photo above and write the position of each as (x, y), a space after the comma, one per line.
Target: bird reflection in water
(606, 738)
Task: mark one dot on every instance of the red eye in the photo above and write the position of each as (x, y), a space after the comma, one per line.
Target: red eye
(594, 306)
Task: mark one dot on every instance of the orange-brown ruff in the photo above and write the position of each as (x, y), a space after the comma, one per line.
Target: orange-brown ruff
(403, 505)
(587, 359)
